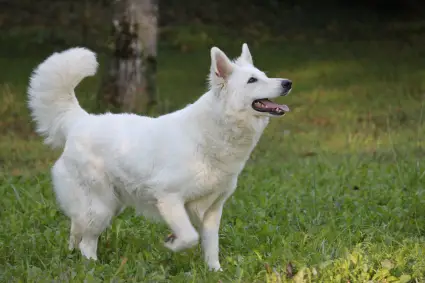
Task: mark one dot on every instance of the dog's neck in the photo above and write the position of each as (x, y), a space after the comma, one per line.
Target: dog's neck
(230, 136)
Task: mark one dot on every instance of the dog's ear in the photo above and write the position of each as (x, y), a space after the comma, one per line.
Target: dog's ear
(220, 63)
(246, 54)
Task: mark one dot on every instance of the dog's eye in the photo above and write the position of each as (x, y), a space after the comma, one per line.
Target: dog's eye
(252, 80)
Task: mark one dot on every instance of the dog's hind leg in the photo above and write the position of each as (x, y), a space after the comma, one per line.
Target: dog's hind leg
(95, 217)
(75, 235)
(93, 220)
(88, 200)
(173, 212)
(68, 193)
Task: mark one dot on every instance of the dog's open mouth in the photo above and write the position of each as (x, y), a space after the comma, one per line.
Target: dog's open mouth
(265, 105)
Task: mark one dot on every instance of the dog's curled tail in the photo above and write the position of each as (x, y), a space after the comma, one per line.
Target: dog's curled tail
(52, 100)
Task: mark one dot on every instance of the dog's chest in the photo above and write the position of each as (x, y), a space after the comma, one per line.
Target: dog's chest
(219, 161)
(207, 178)
(215, 173)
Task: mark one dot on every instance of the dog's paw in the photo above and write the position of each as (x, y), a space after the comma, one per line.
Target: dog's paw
(89, 256)
(172, 246)
(177, 244)
(88, 251)
(71, 247)
(215, 267)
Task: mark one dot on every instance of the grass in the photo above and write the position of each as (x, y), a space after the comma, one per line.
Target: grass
(334, 192)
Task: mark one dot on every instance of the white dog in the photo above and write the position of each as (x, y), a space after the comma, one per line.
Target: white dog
(180, 167)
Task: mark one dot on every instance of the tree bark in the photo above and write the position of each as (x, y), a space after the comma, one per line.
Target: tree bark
(130, 83)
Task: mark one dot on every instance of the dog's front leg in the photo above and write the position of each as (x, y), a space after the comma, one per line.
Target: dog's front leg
(184, 235)
(211, 226)
(210, 242)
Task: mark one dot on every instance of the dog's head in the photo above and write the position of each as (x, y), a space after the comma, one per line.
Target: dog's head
(243, 87)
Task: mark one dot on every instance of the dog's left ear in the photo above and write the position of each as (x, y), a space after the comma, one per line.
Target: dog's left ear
(246, 54)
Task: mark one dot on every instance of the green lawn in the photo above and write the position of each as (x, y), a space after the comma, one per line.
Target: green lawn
(334, 190)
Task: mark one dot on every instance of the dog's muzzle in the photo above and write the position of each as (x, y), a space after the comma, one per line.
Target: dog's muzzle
(286, 87)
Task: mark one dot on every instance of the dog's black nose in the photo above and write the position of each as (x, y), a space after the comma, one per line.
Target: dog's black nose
(286, 84)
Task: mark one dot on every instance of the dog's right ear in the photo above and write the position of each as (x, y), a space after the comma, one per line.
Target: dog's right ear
(221, 66)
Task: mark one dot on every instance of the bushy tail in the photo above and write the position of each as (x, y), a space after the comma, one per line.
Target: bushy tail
(52, 100)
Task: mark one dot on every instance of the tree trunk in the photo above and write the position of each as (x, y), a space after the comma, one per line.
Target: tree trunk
(130, 83)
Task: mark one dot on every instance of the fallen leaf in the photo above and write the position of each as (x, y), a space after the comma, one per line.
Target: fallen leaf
(290, 270)
(267, 267)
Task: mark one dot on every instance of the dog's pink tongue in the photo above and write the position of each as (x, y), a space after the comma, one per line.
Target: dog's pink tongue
(272, 105)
